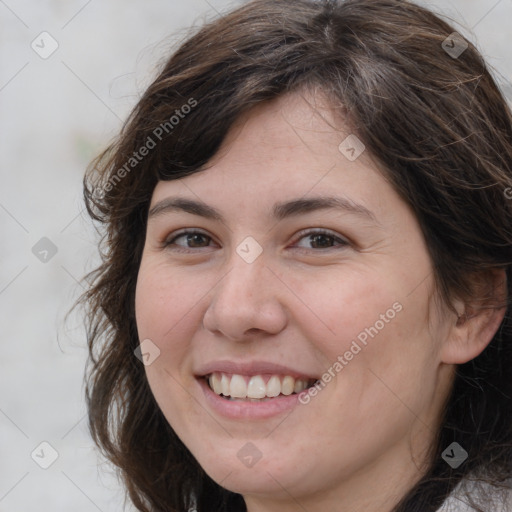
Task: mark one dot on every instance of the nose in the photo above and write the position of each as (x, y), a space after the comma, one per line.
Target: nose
(247, 302)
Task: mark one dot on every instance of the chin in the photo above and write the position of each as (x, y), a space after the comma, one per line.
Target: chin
(253, 481)
(255, 477)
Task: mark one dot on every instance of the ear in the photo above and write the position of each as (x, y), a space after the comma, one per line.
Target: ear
(478, 321)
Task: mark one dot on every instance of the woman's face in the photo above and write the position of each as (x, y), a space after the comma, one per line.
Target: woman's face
(302, 264)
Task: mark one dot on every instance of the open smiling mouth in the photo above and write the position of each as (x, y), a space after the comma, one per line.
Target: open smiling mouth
(256, 388)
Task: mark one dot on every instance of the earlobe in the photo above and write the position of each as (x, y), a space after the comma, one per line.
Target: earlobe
(475, 326)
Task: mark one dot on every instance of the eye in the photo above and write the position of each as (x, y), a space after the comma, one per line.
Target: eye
(322, 239)
(191, 240)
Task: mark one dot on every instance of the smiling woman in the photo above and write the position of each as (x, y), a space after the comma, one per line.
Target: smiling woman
(304, 301)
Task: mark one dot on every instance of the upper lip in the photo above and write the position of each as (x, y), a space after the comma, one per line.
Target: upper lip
(251, 368)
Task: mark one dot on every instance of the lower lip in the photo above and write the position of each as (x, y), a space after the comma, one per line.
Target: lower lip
(250, 410)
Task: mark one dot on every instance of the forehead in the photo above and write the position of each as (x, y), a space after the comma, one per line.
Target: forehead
(301, 120)
(293, 144)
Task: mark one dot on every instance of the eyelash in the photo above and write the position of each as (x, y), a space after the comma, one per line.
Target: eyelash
(303, 234)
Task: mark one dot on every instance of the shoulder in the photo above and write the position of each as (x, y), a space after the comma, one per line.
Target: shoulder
(471, 496)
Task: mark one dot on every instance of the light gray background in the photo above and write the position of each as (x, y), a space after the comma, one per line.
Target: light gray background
(55, 115)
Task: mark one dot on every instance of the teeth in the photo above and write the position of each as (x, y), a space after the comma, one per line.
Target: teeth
(273, 386)
(215, 384)
(254, 388)
(225, 385)
(287, 385)
(238, 387)
(300, 385)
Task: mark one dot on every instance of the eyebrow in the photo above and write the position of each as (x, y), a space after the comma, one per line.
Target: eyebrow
(280, 211)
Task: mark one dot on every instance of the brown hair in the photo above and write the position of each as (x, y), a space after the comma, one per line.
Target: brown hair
(441, 130)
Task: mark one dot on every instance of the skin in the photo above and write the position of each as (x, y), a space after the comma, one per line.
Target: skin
(363, 441)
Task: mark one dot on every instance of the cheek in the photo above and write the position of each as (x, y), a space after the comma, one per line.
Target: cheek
(373, 337)
(344, 306)
(166, 313)
(165, 304)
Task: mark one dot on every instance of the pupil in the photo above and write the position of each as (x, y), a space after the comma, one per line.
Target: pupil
(324, 237)
(193, 238)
